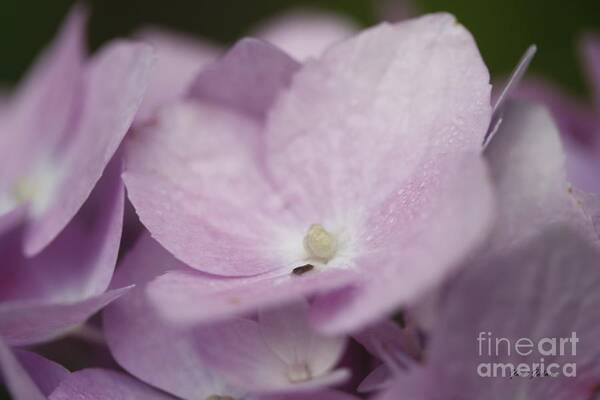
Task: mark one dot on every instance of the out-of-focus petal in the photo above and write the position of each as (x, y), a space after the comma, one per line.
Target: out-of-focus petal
(103, 384)
(591, 58)
(396, 10)
(238, 350)
(416, 386)
(161, 354)
(37, 117)
(304, 33)
(321, 395)
(114, 84)
(575, 119)
(70, 275)
(287, 332)
(546, 288)
(247, 79)
(16, 378)
(527, 164)
(46, 374)
(12, 218)
(27, 322)
(179, 58)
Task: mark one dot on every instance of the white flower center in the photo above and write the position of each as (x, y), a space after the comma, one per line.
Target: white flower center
(38, 188)
(298, 373)
(319, 243)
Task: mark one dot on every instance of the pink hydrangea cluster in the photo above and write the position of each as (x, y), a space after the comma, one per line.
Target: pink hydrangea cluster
(318, 212)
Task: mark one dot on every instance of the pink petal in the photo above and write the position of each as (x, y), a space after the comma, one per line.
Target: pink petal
(237, 349)
(40, 111)
(12, 218)
(46, 374)
(356, 124)
(321, 395)
(231, 84)
(578, 124)
(194, 174)
(103, 384)
(414, 243)
(63, 285)
(158, 353)
(287, 332)
(174, 292)
(196, 209)
(175, 289)
(115, 81)
(426, 117)
(16, 378)
(179, 58)
(137, 336)
(305, 34)
(575, 119)
(416, 386)
(527, 163)
(26, 322)
(547, 287)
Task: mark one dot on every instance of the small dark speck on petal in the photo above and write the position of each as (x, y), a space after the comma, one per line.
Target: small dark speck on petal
(303, 269)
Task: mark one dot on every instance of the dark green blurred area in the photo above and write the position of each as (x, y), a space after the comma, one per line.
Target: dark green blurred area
(503, 28)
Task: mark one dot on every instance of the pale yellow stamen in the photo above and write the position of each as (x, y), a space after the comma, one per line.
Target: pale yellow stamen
(319, 243)
(24, 190)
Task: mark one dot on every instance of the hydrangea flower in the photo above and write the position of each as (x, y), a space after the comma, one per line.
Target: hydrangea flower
(46, 295)
(341, 177)
(29, 376)
(544, 290)
(535, 272)
(61, 195)
(277, 352)
(68, 118)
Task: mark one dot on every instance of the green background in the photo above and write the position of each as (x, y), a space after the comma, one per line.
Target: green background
(503, 28)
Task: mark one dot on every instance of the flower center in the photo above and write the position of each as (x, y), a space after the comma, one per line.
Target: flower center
(319, 243)
(24, 190)
(38, 188)
(298, 373)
